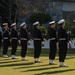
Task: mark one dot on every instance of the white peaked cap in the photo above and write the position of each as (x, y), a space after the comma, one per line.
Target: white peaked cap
(61, 21)
(22, 24)
(52, 22)
(5, 24)
(13, 24)
(36, 23)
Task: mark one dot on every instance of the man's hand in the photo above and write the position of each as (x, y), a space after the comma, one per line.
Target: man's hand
(70, 44)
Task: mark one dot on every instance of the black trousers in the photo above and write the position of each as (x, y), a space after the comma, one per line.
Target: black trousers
(24, 48)
(62, 50)
(14, 44)
(5, 46)
(53, 49)
(37, 48)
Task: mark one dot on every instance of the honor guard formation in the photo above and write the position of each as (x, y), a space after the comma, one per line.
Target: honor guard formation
(58, 35)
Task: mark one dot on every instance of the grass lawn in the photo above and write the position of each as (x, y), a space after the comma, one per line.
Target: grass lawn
(18, 67)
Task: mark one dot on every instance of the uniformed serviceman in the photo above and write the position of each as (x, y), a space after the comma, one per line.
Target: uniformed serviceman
(6, 39)
(24, 40)
(63, 40)
(14, 40)
(53, 42)
(38, 38)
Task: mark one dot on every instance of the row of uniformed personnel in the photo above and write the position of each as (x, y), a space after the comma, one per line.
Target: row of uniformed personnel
(13, 34)
(38, 38)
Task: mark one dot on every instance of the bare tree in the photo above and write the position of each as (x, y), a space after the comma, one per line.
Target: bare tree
(8, 10)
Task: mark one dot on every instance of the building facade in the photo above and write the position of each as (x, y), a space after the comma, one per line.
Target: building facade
(62, 9)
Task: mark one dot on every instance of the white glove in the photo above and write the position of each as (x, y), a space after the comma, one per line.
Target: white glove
(44, 39)
(70, 44)
(29, 42)
(19, 41)
(10, 40)
(2, 40)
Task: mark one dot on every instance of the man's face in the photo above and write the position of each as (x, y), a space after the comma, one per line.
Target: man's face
(6, 27)
(63, 24)
(25, 26)
(53, 25)
(37, 26)
(14, 27)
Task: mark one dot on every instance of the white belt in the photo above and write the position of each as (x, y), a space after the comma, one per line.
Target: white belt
(23, 39)
(52, 38)
(37, 39)
(14, 38)
(62, 39)
(5, 38)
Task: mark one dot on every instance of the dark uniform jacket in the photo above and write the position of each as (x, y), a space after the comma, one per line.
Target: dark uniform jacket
(24, 33)
(52, 33)
(37, 34)
(14, 33)
(62, 34)
(6, 33)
